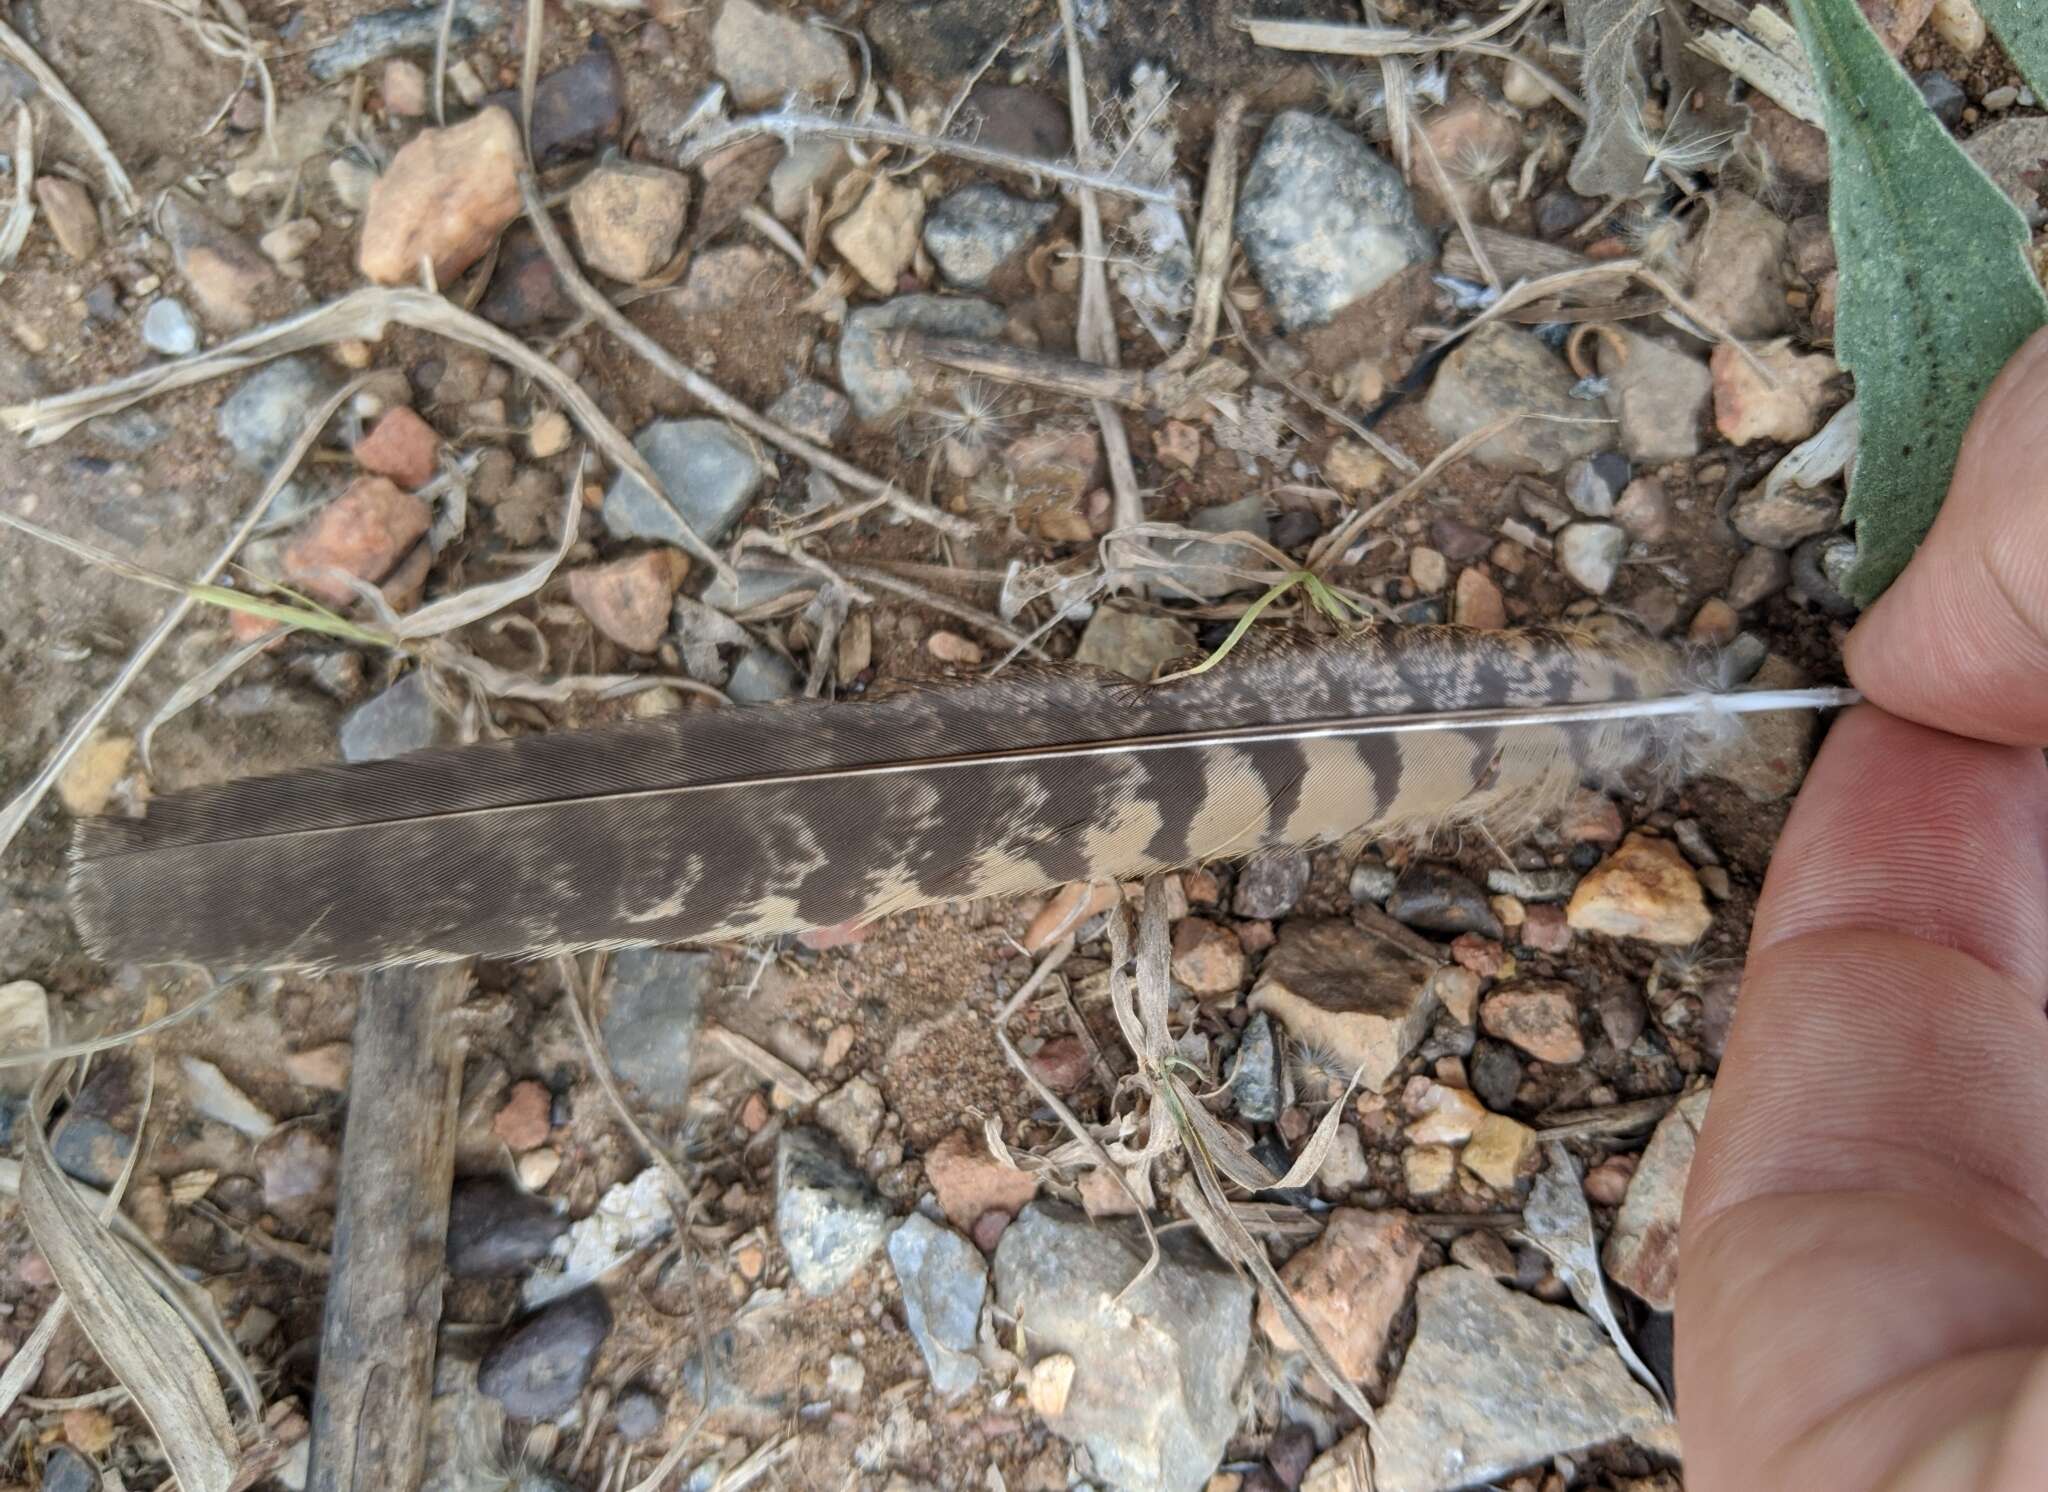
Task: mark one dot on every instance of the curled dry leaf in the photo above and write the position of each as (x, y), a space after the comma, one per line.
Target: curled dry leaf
(1608, 34)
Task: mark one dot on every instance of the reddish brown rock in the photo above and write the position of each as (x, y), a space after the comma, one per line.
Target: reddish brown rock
(968, 1181)
(1477, 601)
(1541, 1016)
(628, 600)
(1068, 910)
(1544, 928)
(1062, 1064)
(444, 198)
(365, 532)
(1208, 959)
(401, 446)
(67, 208)
(1351, 1284)
(523, 1122)
(1779, 401)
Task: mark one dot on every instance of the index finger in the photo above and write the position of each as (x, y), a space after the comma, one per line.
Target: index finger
(1960, 641)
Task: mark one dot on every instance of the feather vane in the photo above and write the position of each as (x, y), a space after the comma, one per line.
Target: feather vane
(713, 826)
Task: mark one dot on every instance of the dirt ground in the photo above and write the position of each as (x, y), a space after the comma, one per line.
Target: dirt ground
(909, 1006)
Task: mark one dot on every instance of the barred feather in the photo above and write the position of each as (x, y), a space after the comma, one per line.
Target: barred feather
(718, 825)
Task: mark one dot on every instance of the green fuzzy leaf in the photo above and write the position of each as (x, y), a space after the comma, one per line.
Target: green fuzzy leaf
(1936, 289)
(2025, 37)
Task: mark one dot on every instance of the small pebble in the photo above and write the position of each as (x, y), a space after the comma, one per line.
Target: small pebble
(951, 647)
(523, 1122)
(167, 328)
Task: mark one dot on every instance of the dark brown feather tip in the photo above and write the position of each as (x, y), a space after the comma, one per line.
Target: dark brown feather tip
(727, 824)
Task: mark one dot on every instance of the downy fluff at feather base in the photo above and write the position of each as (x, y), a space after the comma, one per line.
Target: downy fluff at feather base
(727, 824)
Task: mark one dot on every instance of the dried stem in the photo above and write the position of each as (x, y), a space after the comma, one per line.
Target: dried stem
(787, 124)
(709, 394)
(74, 114)
(1213, 238)
(573, 985)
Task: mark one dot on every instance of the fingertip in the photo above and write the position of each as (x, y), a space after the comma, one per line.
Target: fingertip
(1960, 640)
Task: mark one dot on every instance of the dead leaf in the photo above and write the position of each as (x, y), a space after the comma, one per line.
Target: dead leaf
(1608, 34)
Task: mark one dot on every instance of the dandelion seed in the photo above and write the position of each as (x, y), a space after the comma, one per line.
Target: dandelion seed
(1478, 161)
(977, 419)
(1676, 148)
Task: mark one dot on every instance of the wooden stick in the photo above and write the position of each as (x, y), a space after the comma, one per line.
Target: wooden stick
(371, 1405)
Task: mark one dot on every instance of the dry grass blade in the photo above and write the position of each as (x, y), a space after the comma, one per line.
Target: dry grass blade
(1450, 194)
(141, 1339)
(709, 394)
(1557, 1221)
(21, 214)
(31, 62)
(226, 39)
(1214, 237)
(529, 69)
(1336, 38)
(362, 315)
(1095, 333)
(573, 985)
(789, 124)
(757, 1058)
(27, 1363)
(24, 803)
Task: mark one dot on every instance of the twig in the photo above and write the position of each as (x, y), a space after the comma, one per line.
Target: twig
(362, 315)
(1007, 363)
(1095, 335)
(883, 580)
(442, 36)
(787, 124)
(1616, 1119)
(1333, 544)
(764, 224)
(1213, 238)
(21, 215)
(709, 394)
(1398, 458)
(601, 1069)
(529, 71)
(1338, 39)
(1456, 202)
(74, 113)
(765, 1063)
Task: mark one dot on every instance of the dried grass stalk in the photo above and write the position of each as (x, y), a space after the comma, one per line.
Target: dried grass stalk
(362, 315)
(21, 213)
(143, 1342)
(31, 62)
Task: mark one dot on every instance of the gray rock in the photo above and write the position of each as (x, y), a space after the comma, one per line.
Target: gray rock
(85, 1146)
(1593, 483)
(1496, 1381)
(1553, 883)
(1642, 1250)
(1818, 567)
(975, 231)
(852, 1114)
(829, 1219)
(1782, 518)
(944, 1282)
(1658, 395)
(1760, 574)
(1502, 370)
(811, 165)
(495, 1230)
(710, 471)
(868, 371)
(1133, 644)
(1372, 881)
(1496, 1073)
(1255, 1075)
(167, 328)
(2010, 153)
(1591, 554)
(1944, 96)
(403, 718)
(1325, 219)
(1438, 899)
(766, 56)
(538, 1369)
(262, 417)
(1270, 885)
(638, 1414)
(134, 431)
(64, 1470)
(761, 677)
(650, 1025)
(1155, 1370)
(403, 28)
(813, 410)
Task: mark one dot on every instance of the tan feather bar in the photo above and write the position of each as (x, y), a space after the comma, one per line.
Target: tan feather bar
(718, 825)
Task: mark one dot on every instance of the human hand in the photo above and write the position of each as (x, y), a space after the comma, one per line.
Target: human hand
(1863, 1297)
